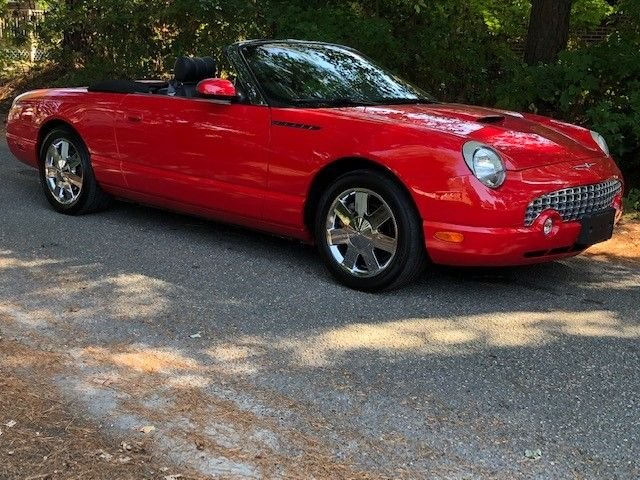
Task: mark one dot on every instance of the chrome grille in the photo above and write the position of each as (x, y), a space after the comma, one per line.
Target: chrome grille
(576, 202)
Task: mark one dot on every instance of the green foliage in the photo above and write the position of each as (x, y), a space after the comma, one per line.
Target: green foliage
(137, 38)
(586, 14)
(632, 201)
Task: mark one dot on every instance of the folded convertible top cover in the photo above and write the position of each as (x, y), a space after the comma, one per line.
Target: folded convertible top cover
(120, 86)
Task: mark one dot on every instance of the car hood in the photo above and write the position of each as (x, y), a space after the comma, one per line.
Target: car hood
(525, 143)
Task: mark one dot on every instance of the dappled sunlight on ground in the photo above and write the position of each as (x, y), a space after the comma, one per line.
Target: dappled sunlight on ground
(132, 296)
(132, 358)
(143, 359)
(138, 295)
(432, 336)
(7, 261)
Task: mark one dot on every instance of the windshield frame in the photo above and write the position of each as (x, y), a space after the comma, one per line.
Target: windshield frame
(339, 102)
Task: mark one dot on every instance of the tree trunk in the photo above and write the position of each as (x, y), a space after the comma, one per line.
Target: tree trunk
(548, 30)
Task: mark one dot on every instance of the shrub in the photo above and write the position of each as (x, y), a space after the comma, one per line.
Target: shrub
(632, 201)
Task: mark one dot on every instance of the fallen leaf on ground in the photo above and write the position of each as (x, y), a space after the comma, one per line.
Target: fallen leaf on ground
(105, 456)
(147, 429)
(10, 424)
(533, 454)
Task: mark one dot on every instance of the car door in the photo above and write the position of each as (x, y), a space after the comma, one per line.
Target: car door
(195, 152)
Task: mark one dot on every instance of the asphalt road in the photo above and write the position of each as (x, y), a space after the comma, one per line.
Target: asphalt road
(251, 362)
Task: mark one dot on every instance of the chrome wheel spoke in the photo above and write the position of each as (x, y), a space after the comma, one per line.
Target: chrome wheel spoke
(53, 152)
(379, 217)
(64, 150)
(73, 179)
(350, 257)
(58, 161)
(74, 161)
(361, 202)
(369, 257)
(50, 171)
(339, 236)
(384, 242)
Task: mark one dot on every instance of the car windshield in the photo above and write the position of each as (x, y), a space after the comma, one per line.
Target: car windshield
(320, 75)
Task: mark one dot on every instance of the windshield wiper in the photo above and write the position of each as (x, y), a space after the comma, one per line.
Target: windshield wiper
(332, 102)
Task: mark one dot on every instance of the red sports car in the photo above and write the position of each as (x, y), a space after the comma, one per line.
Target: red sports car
(315, 141)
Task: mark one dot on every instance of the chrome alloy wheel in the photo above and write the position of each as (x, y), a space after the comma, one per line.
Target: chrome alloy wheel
(362, 233)
(63, 171)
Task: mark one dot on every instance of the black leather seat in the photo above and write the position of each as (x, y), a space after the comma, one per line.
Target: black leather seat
(189, 71)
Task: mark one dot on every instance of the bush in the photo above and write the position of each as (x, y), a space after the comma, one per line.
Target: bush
(632, 201)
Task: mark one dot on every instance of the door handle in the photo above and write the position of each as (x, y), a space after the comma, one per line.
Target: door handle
(135, 118)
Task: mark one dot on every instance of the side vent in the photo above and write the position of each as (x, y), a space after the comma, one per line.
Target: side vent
(491, 119)
(278, 123)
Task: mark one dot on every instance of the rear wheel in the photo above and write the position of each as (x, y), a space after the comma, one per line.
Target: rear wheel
(66, 175)
(368, 232)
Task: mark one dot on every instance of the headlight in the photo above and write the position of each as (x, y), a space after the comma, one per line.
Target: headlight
(485, 163)
(602, 143)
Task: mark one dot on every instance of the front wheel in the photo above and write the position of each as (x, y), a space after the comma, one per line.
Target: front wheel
(368, 232)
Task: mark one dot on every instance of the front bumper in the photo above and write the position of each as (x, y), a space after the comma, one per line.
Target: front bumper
(500, 246)
(504, 246)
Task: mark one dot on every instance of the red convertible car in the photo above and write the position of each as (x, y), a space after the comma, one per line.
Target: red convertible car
(315, 141)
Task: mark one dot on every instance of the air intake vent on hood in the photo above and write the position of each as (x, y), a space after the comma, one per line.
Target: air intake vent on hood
(491, 119)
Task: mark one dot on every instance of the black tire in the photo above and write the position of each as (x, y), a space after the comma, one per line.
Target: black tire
(91, 197)
(410, 256)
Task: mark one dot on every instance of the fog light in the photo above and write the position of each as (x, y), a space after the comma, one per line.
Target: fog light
(547, 227)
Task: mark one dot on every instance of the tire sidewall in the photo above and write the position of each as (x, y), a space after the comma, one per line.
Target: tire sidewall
(409, 234)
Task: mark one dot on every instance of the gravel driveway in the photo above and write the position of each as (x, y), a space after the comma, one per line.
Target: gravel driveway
(251, 362)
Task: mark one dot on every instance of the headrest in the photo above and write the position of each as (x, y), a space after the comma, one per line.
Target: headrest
(191, 70)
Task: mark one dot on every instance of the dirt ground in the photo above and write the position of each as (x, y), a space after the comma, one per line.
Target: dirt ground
(624, 246)
(42, 437)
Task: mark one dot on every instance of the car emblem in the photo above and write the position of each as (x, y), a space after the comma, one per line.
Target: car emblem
(584, 166)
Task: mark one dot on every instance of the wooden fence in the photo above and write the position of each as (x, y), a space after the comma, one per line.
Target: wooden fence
(19, 31)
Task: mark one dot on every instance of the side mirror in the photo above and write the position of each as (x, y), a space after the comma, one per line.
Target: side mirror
(217, 88)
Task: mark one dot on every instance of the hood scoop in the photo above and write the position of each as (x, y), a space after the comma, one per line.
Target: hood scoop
(490, 119)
